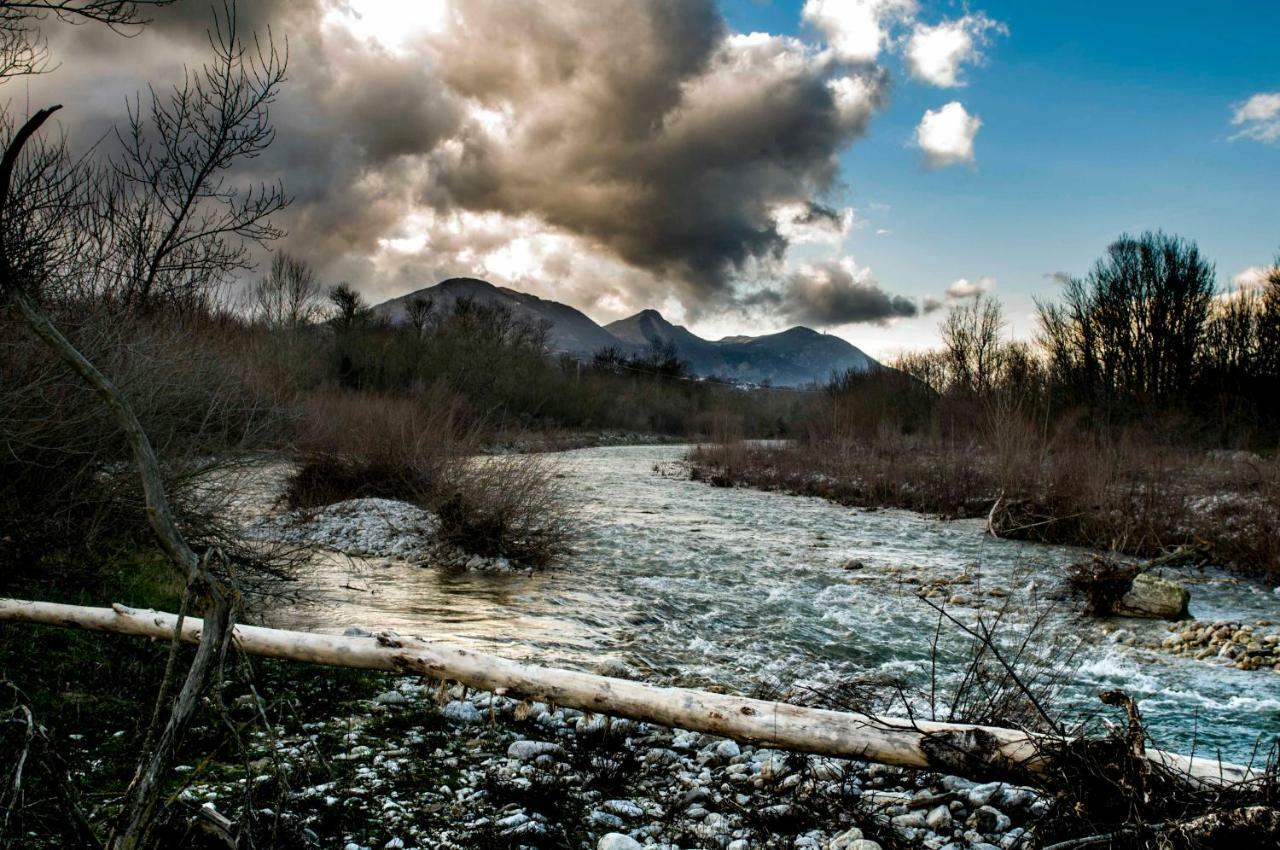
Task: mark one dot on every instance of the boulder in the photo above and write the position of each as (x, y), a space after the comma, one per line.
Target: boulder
(1153, 596)
(618, 841)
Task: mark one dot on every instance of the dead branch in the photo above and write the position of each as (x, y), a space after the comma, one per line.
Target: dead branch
(889, 740)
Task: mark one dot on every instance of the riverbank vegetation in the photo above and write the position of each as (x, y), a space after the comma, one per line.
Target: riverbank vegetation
(1142, 419)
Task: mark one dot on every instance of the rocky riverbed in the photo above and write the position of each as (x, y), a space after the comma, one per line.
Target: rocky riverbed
(1245, 646)
(417, 766)
(372, 528)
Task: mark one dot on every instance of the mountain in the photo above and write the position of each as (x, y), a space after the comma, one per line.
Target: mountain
(571, 330)
(796, 356)
(648, 327)
(790, 358)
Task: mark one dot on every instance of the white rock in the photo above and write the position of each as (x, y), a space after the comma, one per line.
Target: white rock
(379, 527)
(845, 840)
(939, 820)
(911, 820)
(618, 841)
(980, 795)
(462, 712)
(1153, 596)
(622, 808)
(530, 750)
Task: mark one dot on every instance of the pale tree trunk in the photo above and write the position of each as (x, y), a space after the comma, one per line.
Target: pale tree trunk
(947, 747)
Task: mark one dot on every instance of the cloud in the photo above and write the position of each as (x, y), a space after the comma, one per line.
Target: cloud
(856, 30)
(1058, 277)
(931, 304)
(1259, 118)
(801, 223)
(638, 148)
(965, 288)
(1253, 278)
(831, 293)
(935, 54)
(946, 135)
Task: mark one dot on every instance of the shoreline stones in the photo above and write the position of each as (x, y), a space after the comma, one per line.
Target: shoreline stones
(370, 527)
(533, 775)
(1241, 645)
(374, 528)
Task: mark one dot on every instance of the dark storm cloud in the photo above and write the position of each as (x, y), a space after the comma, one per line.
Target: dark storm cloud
(647, 129)
(643, 128)
(834, 293)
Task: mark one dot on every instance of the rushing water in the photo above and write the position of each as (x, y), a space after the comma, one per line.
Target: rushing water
(682, 582)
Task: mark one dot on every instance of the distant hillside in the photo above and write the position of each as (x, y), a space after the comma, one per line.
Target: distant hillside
(648, 326)
(571, 330)
(790, 358)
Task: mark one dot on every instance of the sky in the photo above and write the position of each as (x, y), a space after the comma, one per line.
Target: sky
(858, 166)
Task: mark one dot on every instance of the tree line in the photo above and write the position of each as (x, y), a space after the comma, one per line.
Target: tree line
(1145, 335)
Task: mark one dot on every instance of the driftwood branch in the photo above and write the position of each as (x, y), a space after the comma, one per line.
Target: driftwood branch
(888, 740)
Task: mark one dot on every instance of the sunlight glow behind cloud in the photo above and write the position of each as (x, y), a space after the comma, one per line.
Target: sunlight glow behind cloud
(391, 23)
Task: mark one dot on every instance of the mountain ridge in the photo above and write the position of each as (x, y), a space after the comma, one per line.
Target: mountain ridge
(792, 357)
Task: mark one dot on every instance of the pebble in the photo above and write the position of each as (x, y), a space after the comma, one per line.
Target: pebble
(695, 789)
(845, 840)
(462, 712)
(1244, 646)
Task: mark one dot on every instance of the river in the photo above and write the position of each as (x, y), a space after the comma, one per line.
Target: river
(679, 582)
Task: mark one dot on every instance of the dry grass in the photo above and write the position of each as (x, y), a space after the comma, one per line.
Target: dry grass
(356, 445)
(421, 449)
(1128, 494)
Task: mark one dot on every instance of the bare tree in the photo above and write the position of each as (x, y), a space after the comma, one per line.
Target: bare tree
(183, 223)
(418, 311)
(1129, 332)
(23, 47)
(289, 296)
(350, 309)
(184, 226)
(971, 335)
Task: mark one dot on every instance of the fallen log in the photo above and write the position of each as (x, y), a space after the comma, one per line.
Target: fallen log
(956, 748)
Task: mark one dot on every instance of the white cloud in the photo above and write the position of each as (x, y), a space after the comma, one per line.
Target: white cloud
(800, 223)
(965, 288)
(946, 135)
(856, 29)
(935, 54)
(1254, 277)
(856, 98)
(1259, 118)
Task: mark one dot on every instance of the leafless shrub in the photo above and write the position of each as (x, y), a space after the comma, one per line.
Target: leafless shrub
(422, 449)
(1103, 581)
(354, 445)
(512, 506)
(68, 485)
